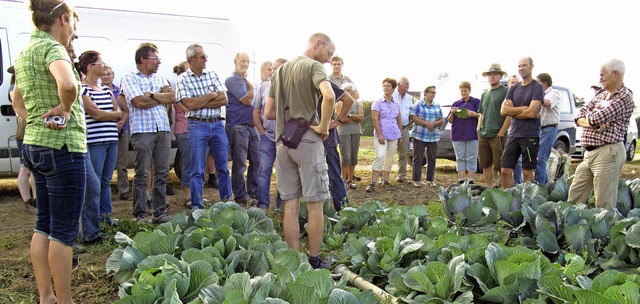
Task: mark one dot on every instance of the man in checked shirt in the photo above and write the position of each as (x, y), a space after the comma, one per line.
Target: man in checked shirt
(605, 120)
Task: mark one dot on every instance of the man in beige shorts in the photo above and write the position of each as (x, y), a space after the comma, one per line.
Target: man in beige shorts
(302, 172)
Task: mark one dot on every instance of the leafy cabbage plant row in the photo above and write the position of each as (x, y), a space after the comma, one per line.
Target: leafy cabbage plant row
(517, 246)
(225, 254)
(525, 245)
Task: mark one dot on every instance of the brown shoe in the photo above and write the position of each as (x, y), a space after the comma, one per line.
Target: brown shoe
(125, 196)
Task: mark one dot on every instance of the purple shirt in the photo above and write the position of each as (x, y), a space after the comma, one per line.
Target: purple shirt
(389, 112)
(464, 129)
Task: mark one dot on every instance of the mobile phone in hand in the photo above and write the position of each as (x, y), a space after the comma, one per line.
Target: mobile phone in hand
(60, 120)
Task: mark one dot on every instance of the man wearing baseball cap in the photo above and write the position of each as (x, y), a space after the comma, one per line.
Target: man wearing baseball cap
(492, 127)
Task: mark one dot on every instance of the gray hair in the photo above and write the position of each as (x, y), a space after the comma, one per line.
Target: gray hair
(191, 50)
(615, 65)
(265, 65)
(348, 86)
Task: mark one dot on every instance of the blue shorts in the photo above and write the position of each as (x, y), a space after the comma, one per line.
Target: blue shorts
(60, 178)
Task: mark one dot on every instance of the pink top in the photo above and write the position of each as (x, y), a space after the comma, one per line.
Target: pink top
(181, 121)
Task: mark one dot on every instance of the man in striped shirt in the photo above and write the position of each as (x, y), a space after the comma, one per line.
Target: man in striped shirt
(148, 95)
(202, 93)
(605, 120)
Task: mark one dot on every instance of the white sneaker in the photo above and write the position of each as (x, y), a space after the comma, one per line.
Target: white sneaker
(432, 183)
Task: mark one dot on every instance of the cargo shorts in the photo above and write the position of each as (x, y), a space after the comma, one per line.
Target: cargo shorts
(303, 172)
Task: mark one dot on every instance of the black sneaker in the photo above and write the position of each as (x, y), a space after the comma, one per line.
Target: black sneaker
(247, 202)
(371, 187)
(169, 191)
(164, 218)
(31, 206)
(213, 181)
(125, 196)
(357, 178)
(320, 263)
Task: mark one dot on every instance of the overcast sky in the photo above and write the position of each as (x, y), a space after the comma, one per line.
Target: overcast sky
(420, 39)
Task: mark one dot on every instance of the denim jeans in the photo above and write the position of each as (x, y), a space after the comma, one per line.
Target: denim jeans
(91, 208)
(547, 139)
(60, 178)
(466, 155)
(103, 158)
(267, 159)
(182, 140)
(203, 135)
(336, 184)
(151, 147)
(244, 144)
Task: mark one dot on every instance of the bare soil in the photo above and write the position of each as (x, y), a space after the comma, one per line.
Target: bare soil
(90, 281)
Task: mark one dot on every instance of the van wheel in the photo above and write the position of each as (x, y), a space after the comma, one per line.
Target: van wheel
(631, 152)
(560, 145)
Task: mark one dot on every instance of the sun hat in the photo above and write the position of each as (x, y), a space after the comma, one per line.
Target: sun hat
(494, 69)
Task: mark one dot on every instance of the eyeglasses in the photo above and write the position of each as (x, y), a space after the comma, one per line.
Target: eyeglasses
(55, 8)
(202, 57)
(427, 92)
(328, 51)
(154, 58)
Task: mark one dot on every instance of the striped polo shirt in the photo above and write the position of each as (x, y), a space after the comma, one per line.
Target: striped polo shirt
(100, 131)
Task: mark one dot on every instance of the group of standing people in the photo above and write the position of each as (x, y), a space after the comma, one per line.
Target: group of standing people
(66, 139)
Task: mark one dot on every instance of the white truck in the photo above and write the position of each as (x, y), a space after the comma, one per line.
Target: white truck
(116, 34)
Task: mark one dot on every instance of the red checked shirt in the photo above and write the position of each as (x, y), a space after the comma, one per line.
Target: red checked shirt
(612, 109)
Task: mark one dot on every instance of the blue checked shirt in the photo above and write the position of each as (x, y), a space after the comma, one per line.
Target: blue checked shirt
(428, 113)
(191, 86)
(149, 120)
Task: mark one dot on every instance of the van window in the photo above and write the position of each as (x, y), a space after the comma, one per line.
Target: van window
(565, 102)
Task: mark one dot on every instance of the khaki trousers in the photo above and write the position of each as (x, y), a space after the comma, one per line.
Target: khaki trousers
(599, 171)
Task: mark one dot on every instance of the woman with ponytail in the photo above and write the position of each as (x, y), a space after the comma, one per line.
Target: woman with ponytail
(54, 144)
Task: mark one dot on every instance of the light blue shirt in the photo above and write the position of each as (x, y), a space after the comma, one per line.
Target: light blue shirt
(259, 101)
(405, 106)
(149, 120)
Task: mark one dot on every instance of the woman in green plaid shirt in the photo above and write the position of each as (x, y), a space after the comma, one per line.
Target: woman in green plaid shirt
(47, 86)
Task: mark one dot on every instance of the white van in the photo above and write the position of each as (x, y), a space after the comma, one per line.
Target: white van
(115, 34)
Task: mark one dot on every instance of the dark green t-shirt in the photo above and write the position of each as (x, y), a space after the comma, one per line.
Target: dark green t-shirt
(490, 104)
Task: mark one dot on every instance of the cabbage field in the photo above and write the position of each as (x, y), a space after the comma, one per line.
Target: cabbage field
(523, 245)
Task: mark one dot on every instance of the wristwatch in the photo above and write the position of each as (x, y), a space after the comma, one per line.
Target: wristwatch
(151, 95)
(349, 115)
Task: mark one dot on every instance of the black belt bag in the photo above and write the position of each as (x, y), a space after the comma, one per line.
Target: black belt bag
(293, 131)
